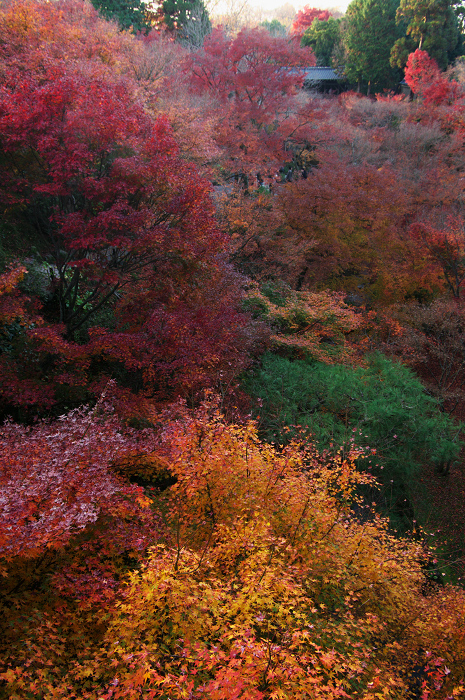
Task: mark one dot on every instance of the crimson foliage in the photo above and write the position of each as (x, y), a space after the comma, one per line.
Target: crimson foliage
(117, 229)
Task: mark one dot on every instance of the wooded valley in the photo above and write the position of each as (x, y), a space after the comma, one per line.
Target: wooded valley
(232, 354)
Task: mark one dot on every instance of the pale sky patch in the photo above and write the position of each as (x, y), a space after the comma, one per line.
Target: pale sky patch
(320, 4)
(258, 10)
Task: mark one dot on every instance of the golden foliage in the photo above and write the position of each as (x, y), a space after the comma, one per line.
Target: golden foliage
(272, 588)
(266, 586)
(315, 324)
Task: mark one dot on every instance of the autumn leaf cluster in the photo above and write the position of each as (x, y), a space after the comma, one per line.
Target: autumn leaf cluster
(261, 583)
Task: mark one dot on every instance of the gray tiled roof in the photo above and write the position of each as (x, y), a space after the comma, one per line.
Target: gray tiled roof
(320, 73)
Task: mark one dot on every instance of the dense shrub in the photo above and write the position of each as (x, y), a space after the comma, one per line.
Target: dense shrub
(381, 407)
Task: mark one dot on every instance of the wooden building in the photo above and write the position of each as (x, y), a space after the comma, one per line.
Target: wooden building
(323, 79)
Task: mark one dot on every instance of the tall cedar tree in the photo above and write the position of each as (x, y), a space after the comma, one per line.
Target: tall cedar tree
(430, 25)
(370, 30)
(322, 37)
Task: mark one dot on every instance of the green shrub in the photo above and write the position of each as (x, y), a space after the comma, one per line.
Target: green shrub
(381, 407)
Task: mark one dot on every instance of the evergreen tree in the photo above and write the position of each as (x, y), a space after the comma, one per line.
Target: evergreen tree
(189, 18)
(322, 37)
(128, 13)
(370, 31)
(430, 25)
(382, 407)
(274, 27)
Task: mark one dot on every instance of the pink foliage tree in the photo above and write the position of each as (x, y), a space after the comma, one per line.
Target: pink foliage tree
(56, 478)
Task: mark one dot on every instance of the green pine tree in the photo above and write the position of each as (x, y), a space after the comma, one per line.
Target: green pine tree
(128, 13)
(274, 27)
(381, 406)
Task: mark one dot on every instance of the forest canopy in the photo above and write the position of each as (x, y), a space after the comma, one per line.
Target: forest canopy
(232, 354)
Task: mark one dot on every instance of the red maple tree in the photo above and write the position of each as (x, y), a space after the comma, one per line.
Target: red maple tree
(119, 226)
(254, 78)
(424, 78)
(305, 18)
(445, 245)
